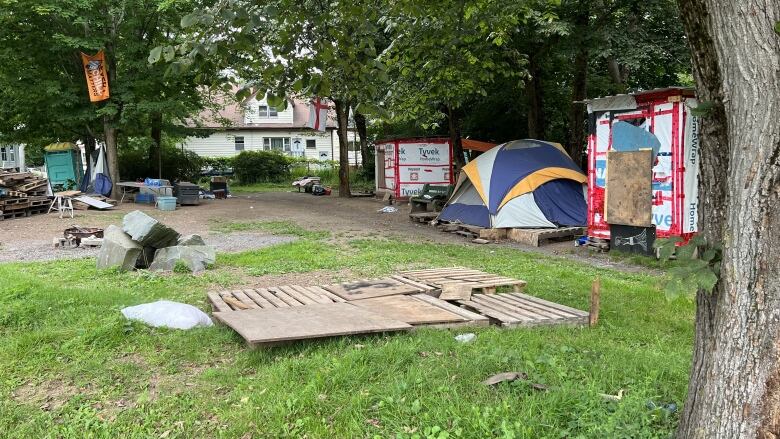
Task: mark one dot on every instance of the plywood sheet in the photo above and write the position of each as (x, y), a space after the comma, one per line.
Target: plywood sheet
(629, 196)
(408, 309)
(366, 289)
(275, 325)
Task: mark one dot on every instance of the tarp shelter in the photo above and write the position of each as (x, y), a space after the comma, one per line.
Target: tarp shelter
(97, 179)
(660, 120)
(404, 166)
(523, 184)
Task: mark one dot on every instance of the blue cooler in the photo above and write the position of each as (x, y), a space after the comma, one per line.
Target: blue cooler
(167, 204)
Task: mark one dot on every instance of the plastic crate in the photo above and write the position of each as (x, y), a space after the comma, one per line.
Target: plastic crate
(167, 204)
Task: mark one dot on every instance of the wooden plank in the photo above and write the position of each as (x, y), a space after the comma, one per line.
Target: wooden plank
(297, 295)
(541, 309)
(260, 300)
(551, 304)
(408, 309)
(486, 300)
(316, 297)
(326, 293)
(284, 297)
(235, 303)
(629, 196)
(476, 319)
(270, 326)
(413, 283)
(269, 296)
(367, 289)
(456, 291)
(217, 302)
(502, 318)
(238, 294)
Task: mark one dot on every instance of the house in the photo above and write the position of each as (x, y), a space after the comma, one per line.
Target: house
(253, 125)
(12, 157)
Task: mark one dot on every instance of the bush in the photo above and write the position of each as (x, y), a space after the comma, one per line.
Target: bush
(218, 165)
(177, 164)
(261, 167)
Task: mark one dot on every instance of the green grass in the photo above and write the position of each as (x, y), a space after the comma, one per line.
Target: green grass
(260, 187)
(60, 328)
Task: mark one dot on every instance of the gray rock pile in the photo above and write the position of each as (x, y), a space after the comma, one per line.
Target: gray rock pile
(144, 242)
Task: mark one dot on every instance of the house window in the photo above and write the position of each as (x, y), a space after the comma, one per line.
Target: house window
(7, 153)
(3, 155)
(239, 141)
(311, 144)
(281, 144)
(266, 111)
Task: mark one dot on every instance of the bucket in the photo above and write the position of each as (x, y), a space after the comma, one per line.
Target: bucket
(166, 203)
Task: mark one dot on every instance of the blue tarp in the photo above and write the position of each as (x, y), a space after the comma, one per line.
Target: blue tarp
(562, 202)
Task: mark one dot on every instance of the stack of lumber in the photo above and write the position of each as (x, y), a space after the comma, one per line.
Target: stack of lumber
(22, 194)
(438, 298)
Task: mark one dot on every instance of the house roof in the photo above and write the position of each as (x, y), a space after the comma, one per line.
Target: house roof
(230, 115)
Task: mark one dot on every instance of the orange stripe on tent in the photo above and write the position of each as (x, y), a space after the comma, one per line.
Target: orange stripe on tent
(538, 178)
(472, 172)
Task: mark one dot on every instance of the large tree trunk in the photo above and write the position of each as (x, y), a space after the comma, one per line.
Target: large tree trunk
(534, 93)
(455, 124)
(110, 133)
(576, 135)
(342, 116)
(155, 150)
(365, 154)
(734, 389)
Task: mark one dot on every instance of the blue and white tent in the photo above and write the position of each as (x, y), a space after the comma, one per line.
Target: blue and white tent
(522, 184)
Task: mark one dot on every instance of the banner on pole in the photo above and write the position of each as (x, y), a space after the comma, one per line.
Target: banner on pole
(97, 79)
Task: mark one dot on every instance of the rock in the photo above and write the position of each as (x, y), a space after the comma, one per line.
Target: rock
(194, 257)
(466, 338)
(145, 258)
(147, 231)
(191, 240)
(118, 250)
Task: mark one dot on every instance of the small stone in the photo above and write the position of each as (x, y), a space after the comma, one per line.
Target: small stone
(480, 241)
(147, 231)
(118, 250)
(191, 240)
(195, 257)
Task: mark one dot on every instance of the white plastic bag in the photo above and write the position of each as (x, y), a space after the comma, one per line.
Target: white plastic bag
(166, 313)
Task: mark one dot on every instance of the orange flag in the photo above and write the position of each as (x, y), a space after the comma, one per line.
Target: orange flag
(97, 79)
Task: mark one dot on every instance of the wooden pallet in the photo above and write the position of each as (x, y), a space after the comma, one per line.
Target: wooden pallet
(422, 310)
(598, 244)
(11, 214)
(538, 237)
(516, 309)
(275, 297)
(478, 280)
(423, 217)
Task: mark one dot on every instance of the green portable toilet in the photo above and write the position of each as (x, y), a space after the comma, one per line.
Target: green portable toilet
(63, 165)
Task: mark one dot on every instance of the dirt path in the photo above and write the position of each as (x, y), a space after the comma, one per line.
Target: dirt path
(31, 238)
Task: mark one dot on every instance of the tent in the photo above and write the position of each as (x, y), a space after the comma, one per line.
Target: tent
(523, 183)
(97, 179)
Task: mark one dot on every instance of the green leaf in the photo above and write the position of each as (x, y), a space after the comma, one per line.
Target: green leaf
(705, 279)
(709, 255)
(154, 55)
(777, 27)
(703, 109)
(686, 251)
(275, 101)
(666, 247)
(168, 53)
(189, 20)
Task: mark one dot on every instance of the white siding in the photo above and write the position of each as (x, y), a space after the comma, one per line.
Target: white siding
(222, 143)
(251, 113)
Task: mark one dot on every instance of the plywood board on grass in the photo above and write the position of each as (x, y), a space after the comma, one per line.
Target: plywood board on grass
(409, 309)
(629, 195)
(369, 288)
(277, 325)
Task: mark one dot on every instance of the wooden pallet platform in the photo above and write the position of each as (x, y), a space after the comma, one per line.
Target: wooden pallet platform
(273, 326)
(478, 280)
(598, 244)
(516, 309)
(423, 217)
(11, 214)
(275, 297)
(538, 237)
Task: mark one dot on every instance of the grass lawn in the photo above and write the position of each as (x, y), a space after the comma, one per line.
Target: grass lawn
(71, 366)
(261, 187)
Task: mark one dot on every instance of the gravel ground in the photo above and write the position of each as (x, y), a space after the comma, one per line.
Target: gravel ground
(223, 242)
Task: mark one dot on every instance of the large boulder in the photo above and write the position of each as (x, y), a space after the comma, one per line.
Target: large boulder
(118, 250)
(191, 240)
(195, 257)
(146, 257)
(147, 231)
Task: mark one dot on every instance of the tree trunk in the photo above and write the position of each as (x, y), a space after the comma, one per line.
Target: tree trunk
(110, 132)
(534, 92)
(155, 150)
(734, 389)
(366, 158)
(576, 137)
(455, 123)
(342, 116)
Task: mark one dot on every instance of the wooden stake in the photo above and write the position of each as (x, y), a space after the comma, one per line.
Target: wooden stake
(595, 299)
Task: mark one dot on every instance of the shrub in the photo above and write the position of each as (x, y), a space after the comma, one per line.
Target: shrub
(177, 163)
(261, 167)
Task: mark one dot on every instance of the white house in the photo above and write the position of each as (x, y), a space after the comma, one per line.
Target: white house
(253, 125)
(12, 157)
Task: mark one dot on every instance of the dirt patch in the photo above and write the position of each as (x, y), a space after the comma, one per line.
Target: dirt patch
(317, 277)
(47, 395)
